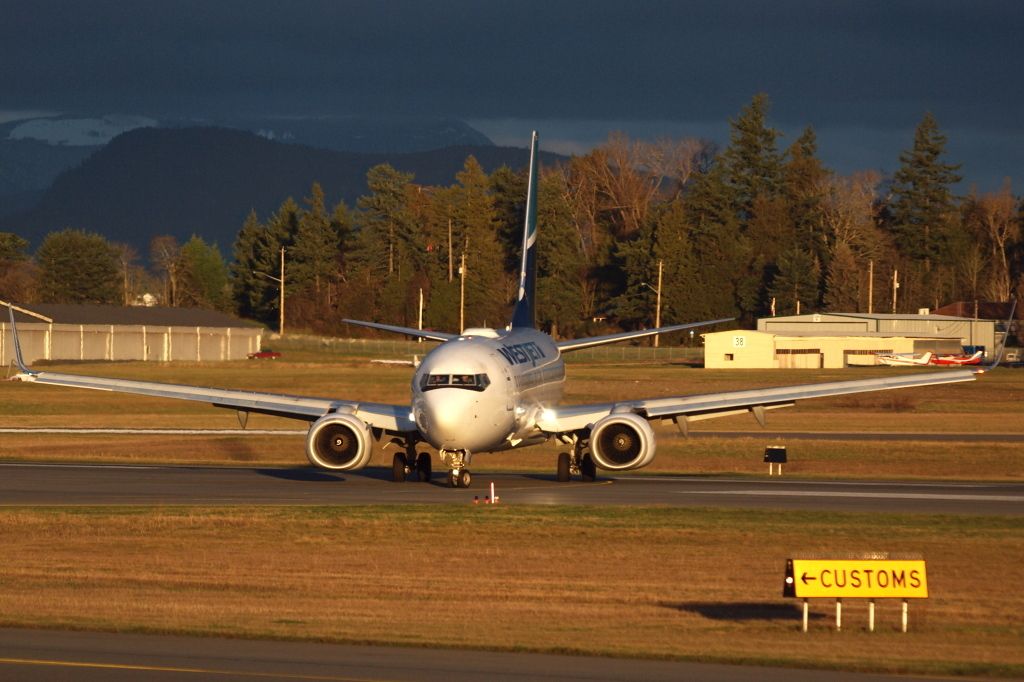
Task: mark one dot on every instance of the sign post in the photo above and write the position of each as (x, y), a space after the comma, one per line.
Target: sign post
(869, 579)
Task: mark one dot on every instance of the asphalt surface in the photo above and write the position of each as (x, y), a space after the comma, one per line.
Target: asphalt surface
(49, 656)
(79, 484)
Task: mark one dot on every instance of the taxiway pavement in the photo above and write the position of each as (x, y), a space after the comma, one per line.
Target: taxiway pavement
(112, 484)
(48, 656)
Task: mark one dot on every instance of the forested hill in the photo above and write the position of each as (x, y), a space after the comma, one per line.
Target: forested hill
(204, 181)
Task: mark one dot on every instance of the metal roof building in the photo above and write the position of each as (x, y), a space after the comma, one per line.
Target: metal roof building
(970, 331)
(835, 340)
(107, 332)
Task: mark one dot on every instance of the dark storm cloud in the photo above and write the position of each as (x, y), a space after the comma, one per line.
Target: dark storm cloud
(851, 62)
(833, 64)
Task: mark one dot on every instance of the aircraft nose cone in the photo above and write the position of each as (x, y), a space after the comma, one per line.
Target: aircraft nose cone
(453, 419)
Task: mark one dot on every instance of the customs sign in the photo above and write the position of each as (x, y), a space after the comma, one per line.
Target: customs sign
(866, 578)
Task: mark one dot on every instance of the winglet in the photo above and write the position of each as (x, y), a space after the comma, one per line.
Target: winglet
(524, 314)
(1002, 346)
(17, 344)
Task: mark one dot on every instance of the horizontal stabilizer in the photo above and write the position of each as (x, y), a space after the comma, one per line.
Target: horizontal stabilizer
(408, 331)
(590, 342)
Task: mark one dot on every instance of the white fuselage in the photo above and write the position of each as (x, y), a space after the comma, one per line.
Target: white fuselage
(483, 391)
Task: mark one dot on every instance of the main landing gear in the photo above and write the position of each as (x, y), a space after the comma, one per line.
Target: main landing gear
(580, 463)
(410, 466)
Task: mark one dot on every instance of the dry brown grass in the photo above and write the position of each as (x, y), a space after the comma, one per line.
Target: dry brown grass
(649, 582)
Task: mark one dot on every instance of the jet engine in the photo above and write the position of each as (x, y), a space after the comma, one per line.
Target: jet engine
(340, 442)
(622, 441)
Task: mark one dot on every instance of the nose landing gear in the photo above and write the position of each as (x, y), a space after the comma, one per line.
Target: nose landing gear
(458, 474)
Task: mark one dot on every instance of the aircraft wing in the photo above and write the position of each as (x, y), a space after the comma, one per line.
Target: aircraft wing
(685, 409)
(408, 331)
(377, 415)
(590, 342)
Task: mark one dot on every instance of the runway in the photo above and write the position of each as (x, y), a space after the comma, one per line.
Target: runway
(80, 484)
(56, 655)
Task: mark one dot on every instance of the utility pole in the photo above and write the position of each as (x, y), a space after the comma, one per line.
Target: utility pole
(280, 322)
(871, 286)
(657, 306)
(462, 293)
(895, 287)
(280, 283)
(449, 249)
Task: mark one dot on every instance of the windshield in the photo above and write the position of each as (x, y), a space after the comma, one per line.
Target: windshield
(473, 382)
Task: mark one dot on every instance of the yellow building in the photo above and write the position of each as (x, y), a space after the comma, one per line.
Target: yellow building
(745, 349)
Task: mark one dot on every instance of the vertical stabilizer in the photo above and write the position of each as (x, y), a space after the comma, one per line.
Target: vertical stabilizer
(524, 313)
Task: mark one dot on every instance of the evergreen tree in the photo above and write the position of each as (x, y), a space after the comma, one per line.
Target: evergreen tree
(922, 217)
(804, 184)
(78, 267)
(796, 283)
(204, 276)
(476, 231)
(722, 253)
(559, 261)
(752, 162)
(509, 191)
(17, 273)
(247, 290)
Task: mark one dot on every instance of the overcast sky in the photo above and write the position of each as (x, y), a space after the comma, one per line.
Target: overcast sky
(862, 73)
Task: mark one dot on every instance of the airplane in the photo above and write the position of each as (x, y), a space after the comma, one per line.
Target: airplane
(959, 360)
(901, 360)
(488, 390)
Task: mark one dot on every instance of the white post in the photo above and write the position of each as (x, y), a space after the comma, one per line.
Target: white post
(805, 616)
(904, 629)
(839, 615)
(871, 615)
(420, 339)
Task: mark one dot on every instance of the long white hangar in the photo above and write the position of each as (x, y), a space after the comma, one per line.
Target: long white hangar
(836, 340)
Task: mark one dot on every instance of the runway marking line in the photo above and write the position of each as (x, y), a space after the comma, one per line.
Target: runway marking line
(811, 493)
(174, 669)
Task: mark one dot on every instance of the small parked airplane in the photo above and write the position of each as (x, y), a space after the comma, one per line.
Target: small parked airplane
(901, 360)
(487, 390)
(959, 360)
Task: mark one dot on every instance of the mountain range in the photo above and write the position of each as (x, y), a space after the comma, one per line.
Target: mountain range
(205, 181)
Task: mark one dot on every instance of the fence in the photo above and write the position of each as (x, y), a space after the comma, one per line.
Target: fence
(405, 350)
(128, 342)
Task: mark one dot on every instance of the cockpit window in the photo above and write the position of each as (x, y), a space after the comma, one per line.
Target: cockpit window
(473, 382)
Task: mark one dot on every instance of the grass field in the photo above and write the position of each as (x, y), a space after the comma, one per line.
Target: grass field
(701, 584)
(676, 583)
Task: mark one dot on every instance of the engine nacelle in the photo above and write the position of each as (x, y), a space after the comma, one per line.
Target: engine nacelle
(622, 441)
(340, 442)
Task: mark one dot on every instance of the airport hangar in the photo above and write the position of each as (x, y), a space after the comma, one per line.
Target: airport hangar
(836, 340)
(108, 332)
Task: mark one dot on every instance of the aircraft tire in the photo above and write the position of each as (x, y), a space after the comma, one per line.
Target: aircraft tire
(398, 468)
(465, 479)
(588, 468)
(423, 467)
(563, 467)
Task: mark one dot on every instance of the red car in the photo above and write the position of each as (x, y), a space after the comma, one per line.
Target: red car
(265, 354)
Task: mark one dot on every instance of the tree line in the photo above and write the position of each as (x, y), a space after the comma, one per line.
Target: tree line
(744, 231)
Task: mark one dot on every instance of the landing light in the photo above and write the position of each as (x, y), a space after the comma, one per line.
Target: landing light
(547, 415)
